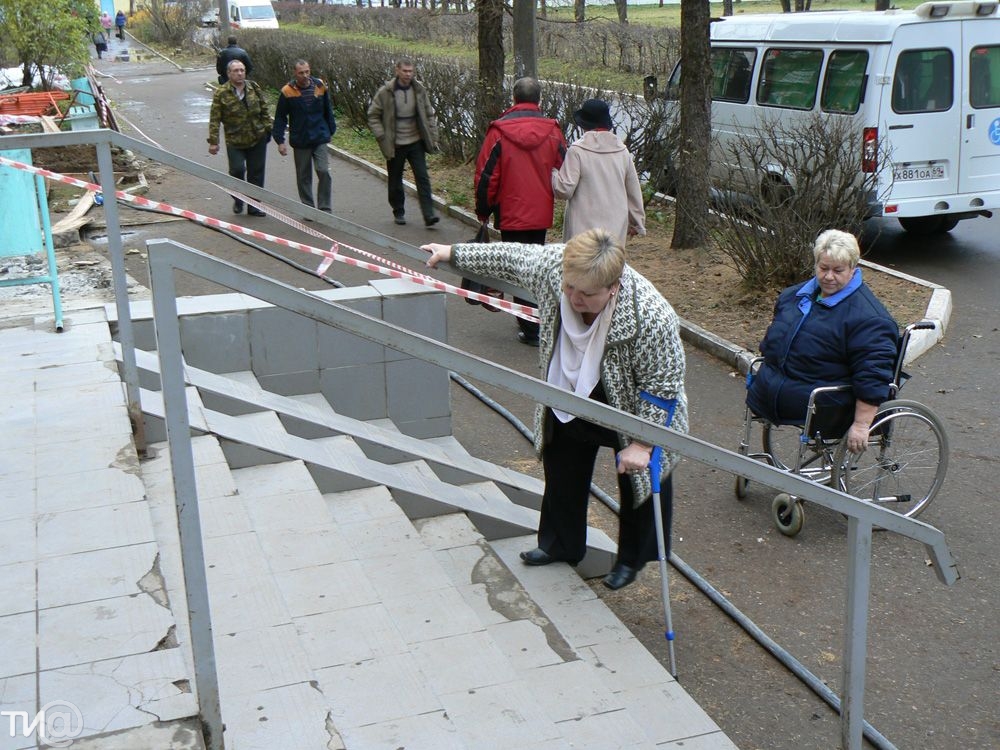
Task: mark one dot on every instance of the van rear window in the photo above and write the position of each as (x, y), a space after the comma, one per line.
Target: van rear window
(845, 77)
(732, 70)
(984, 77)
(924, 81)
(789, 77)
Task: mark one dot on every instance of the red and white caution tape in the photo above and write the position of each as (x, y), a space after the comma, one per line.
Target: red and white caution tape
(384, 267)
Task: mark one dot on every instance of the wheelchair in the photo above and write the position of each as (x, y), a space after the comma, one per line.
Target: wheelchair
(902, 469)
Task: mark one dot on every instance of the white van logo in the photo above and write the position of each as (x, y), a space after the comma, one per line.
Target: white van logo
(994, 132)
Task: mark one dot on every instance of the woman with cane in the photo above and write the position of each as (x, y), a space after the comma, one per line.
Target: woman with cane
(607, 334)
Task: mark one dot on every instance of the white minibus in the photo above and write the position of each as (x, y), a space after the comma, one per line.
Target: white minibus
(921, 86)
(252, 14)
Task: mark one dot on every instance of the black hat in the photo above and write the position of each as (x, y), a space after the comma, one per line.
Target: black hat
(593, 114)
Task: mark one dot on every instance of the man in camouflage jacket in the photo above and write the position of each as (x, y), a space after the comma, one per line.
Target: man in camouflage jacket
(239, 106)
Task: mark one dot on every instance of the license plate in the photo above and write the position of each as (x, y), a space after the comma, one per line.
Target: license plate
(913, 173)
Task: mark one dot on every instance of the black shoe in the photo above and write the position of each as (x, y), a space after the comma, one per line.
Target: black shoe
(527, 339)
(620, 576)
(431, 221)
(399, 219)
(237, 208)
(255, 212)
(537, 556)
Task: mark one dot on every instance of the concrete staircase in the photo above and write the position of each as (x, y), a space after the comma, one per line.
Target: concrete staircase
(353, 607)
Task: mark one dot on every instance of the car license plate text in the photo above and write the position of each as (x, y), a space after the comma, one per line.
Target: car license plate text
(908, 174)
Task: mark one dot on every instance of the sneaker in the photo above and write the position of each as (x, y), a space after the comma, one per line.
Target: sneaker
(431, 221)
(399, 219)
(524, 338)
(255, 212)
(237, 208)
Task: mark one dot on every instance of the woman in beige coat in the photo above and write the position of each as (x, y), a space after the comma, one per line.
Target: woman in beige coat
(598, 179)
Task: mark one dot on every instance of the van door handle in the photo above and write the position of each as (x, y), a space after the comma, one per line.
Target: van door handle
(970, 121)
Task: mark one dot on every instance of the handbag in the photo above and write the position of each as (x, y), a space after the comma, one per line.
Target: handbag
(483, 235)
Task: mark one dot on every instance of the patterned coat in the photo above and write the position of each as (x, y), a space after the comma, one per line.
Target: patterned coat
(643, 350)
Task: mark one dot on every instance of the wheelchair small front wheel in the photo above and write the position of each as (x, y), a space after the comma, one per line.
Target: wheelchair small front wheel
(740, 487)
(788, 514)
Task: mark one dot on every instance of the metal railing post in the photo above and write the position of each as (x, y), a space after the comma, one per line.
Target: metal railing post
(130, 372)
(859, 566)
(168, 339)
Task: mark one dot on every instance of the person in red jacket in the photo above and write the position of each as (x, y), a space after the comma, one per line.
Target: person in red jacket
(513, 176)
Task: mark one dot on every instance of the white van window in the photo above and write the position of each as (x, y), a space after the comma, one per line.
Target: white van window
(258, 12)
(984, 77)
(844, 82)
(732, 70)
(788, 78)
(924, 81)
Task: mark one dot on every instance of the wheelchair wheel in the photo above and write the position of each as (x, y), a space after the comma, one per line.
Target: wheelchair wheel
(741, 487)
(788, 514)
(781, 443)
(905, 463)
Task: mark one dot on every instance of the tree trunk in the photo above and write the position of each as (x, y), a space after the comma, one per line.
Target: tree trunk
(579, 10)
(622, 7)
(882, 4)
(727, 7)
(691, 220)
(524, 39)
(491, 61)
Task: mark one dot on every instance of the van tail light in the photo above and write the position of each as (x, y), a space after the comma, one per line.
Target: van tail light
(869, 150)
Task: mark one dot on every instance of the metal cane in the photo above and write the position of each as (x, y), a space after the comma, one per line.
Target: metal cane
(654, 475)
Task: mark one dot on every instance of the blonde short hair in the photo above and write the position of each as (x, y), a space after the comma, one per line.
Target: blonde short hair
(593, 257)
(842, 247)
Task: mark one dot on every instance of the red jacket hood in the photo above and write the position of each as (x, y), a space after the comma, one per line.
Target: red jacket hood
(525, 126)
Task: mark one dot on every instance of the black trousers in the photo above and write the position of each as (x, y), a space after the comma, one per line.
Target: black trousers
(526, 237)
(416, 155)
(568, 459)
(248, 164)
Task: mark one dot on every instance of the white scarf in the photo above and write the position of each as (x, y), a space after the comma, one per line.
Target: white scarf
(577, 355)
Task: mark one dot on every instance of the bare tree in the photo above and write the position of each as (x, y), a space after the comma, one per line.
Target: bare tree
(691, 221)
(491, 61)
(525, 63)
(766, 236)
(579, 10)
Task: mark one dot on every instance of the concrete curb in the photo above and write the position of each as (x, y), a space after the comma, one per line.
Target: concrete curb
(938, 309)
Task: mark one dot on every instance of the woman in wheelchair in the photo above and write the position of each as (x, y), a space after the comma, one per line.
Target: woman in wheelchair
(829, 330)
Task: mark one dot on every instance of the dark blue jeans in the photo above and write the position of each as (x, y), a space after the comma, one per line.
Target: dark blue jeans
(416, 155)
(248, 164)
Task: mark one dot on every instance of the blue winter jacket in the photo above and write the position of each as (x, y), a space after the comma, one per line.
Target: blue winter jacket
(848, 338)
(309, 123)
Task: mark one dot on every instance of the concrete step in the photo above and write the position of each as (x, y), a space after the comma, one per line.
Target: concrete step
(413, 666)
(379, 439)
(233, 406)
(261, 527)
(247, 450)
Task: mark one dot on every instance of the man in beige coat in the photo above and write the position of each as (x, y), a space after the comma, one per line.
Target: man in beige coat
(405, 125)
(598, 179)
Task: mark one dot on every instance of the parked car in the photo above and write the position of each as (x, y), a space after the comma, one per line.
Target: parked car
(210, 17)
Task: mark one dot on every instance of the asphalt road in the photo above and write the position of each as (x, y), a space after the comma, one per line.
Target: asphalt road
(933, 667)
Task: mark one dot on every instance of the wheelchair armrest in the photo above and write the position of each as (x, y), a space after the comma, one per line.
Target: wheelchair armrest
(811, 407)
(752, 368)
